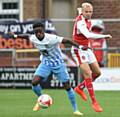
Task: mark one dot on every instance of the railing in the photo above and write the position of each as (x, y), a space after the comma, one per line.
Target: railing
(30, 57)
(114, 60)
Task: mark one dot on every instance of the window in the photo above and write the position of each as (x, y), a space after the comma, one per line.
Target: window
(9, 5)
(9, 9)
(9, 16)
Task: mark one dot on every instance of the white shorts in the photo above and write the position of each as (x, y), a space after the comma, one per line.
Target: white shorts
(83, 56)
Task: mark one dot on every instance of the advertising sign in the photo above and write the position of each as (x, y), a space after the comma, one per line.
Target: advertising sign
(109, 79)
(21, 28)
(24, 27)
(22, 77)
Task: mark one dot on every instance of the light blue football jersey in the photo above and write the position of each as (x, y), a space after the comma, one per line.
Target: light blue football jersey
(49, 48)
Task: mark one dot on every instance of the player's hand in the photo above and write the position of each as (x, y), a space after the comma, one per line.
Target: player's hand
(12, 35)
(108, 36)
(84, 48)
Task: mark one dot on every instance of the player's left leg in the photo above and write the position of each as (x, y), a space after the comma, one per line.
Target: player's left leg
(95, 70)
(63, 76)
(94, 66)
(71, 96)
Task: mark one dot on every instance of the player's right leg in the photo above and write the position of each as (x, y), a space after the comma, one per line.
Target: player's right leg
(80, 92)
(71, 96)
(95, 74)
(79, 89)
(37, 90)
(79, 56)
(41, 72)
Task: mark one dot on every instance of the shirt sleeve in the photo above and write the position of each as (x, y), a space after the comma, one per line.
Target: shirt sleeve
(56, 39)
(31, 38)
(83, 29)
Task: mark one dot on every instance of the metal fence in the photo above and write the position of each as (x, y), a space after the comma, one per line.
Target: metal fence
(30, 57)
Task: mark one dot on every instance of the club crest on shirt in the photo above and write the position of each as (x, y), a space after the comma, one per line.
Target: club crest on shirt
(83, 57)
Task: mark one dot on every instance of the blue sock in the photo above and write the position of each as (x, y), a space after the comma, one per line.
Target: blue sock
(72, 99)
(37, 90)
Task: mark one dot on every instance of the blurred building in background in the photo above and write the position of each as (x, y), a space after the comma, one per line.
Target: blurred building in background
(62, 14)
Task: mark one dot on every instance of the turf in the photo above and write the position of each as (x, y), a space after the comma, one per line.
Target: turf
(19, 103)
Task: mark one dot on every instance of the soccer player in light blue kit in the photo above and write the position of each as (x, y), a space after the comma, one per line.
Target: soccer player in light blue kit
(51, 62)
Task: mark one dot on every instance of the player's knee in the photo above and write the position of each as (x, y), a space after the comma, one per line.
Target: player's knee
(98, 74)
(36, 80)
(87, 74)
(67, 85)
(95, 75)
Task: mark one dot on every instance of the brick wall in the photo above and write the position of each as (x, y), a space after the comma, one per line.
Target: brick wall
(31, 9)
(109, 9)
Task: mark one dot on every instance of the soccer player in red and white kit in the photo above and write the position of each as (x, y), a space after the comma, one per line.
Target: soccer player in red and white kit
(84, 56)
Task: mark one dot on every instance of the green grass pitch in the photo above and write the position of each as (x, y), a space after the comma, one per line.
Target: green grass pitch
(19, 103)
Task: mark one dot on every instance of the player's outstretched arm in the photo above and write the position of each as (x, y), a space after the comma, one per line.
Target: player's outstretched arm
(69, 41)
(88, 34)
(108, 36)
(12, 35)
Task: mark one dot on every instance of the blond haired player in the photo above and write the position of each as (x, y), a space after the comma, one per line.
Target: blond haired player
(84, 57)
